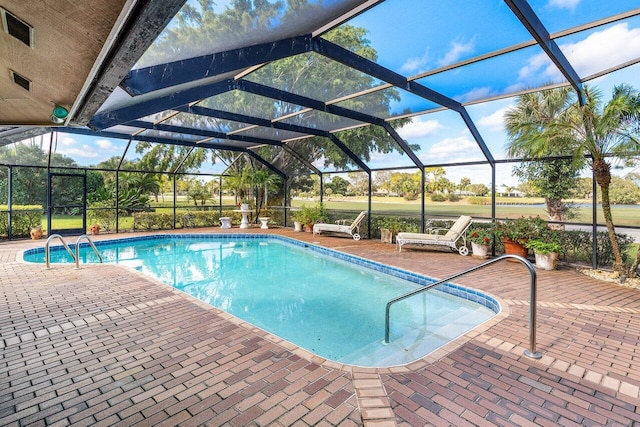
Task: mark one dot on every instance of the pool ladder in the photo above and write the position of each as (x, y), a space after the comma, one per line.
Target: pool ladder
(531, 352)
(76, 256)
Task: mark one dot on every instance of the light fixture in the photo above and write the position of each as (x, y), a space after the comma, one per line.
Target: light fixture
(59, 114)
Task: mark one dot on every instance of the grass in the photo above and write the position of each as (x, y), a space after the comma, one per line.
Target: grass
(623, 215)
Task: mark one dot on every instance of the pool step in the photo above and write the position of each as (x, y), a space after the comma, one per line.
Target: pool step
(417, 341)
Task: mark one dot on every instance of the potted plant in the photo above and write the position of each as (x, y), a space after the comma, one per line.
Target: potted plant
(480, 239)
(546, 249)
(297, 220)
(514, 233)
(389, 226)
(95, 229)
(312, 214)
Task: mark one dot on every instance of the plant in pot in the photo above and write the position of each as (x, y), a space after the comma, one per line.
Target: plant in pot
(480, 239)
(514, 233)
(389, 226)
(546, 248)
(313, 214)
(298, 219)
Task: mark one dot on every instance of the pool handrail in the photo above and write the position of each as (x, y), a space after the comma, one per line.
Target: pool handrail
(84, 236)
(46, 248)
(531, 352)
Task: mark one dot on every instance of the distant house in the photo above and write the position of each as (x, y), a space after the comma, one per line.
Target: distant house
(511, 193)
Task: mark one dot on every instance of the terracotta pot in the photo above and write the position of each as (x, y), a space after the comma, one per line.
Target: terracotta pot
(480, 251)
(36, 233)
(514, 248)
(308, 228)
(95, 229)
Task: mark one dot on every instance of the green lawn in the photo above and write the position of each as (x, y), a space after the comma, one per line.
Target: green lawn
(622, 214)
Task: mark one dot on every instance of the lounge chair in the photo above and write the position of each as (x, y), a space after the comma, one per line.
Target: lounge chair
(455, 237)
(341, 227)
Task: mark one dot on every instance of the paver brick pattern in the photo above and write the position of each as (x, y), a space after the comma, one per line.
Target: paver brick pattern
(104, 345)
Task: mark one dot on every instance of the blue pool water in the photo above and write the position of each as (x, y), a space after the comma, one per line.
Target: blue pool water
(316, 298)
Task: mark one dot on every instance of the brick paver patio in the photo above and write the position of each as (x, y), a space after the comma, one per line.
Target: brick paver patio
(105, 345)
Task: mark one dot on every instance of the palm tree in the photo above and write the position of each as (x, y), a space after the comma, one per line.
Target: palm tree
(599, 131)
(527, 127)
(239, 180)
(262, 180)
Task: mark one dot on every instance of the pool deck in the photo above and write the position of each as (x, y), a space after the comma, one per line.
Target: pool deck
(104, 345)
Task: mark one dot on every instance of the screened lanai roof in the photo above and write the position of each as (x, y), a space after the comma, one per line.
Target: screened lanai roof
(317, 86)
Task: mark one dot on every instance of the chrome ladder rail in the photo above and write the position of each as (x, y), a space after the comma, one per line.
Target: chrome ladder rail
(531, 352)
(46, 248)
(84, 236)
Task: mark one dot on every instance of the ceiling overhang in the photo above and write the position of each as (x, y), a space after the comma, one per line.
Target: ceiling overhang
(79, 52)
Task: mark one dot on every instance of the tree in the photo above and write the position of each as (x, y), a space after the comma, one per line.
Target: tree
(464, 183)
(197, 191)
(359, 182)
(262, 181)
(197, 26)
(338, 185)
(30, 184)
(526, 126)
(432, 176)
(582, 188)
(624, 191)
(239, 180)
(598, 129)
(479, 189)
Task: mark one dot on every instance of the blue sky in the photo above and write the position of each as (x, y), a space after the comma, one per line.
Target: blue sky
(411, 38)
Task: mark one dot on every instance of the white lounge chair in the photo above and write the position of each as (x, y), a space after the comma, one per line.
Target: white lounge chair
(341, 227)
(454, 237)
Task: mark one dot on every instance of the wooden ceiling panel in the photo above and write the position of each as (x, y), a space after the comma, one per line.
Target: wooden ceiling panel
(67, 39)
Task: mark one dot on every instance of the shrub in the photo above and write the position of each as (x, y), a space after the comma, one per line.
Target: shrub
(437, 197)
(4, 224)
(21, 222)
(103, 214)
(453, 197)
(479, 201)
(578, 247)
(152, 220)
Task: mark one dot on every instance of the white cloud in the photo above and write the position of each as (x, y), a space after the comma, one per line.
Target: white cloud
(419, 128)
(450, 148)
(416, 64)
(104, 144)
(458, 48)
(494, 121)
(85, 152)
(599, 51)
(603, 49)
(476, 93)
(67, 142)
(564, 4)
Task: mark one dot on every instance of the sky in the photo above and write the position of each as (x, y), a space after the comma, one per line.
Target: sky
(411, 38)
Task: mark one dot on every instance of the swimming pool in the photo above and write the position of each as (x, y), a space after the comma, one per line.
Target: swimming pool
(329, 303)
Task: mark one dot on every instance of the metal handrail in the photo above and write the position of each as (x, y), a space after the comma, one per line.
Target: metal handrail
(84, 236)
(46, 248)
(532, 353)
